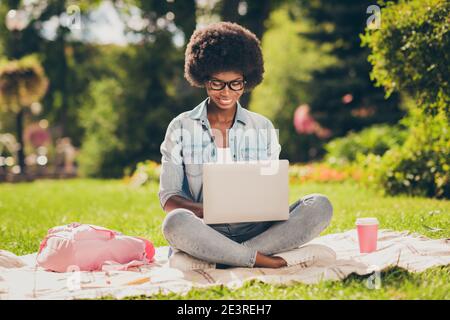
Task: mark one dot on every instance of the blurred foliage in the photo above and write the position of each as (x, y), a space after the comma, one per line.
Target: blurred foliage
(152, 97)
(65, 91)
(313, 56)
(419, 167)
(149, 74)
(99, 118)
(376, 140)
(22, 82)
(342, 97)
(410, 53)
(115, 102)
(289, 65)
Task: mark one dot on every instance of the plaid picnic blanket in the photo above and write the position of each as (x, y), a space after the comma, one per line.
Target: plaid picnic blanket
(20, 278)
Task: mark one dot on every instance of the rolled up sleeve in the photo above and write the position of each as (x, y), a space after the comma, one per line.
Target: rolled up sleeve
(172, 171)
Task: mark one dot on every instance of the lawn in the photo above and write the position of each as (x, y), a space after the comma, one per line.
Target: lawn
(27, 210)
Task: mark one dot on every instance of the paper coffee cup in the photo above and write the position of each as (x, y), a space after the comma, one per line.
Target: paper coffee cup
(367, 229)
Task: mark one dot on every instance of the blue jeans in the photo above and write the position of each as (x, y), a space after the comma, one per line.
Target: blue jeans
(236, 244)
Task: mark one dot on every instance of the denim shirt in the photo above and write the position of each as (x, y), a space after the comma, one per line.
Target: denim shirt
(189, 143)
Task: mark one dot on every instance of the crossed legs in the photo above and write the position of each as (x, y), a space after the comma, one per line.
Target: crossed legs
(308, 216)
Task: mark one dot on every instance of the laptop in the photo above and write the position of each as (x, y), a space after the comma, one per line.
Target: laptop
(245, 191)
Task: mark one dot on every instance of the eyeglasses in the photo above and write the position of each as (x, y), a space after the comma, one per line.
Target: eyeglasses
(234, 85)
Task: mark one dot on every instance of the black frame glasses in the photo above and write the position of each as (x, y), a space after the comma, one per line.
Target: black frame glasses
(222, 84)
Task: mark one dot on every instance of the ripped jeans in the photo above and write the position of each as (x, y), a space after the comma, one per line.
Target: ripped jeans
(237, 244)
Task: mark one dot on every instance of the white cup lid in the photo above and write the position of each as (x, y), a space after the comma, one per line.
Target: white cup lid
(360, 221)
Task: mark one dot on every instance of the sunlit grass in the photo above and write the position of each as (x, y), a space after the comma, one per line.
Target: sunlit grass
(28, 210)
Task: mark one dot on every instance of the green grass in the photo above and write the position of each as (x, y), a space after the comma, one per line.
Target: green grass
(27, 210)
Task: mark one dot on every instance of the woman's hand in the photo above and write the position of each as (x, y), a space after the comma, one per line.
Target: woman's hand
(175, 202)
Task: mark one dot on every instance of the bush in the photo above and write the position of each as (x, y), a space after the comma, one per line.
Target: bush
(410, 52)
(410, 55)
(421, 166)
(376, 140)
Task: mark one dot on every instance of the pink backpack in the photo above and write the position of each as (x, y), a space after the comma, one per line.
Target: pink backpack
(86, 247)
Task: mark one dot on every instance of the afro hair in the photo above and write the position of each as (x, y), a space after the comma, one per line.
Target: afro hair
(223, 46)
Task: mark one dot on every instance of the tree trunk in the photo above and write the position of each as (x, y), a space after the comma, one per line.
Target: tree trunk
(185, 16)
(21, 151)
(229, 10)
(63, 83)
(258, 11)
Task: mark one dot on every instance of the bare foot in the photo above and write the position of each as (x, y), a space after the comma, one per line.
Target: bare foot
(269, 262)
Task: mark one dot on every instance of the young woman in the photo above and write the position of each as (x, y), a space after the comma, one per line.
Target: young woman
(226, 59)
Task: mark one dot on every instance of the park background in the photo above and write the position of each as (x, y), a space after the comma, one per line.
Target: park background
(359, 91)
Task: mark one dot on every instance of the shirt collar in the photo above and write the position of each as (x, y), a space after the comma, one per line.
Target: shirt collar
(200, 112)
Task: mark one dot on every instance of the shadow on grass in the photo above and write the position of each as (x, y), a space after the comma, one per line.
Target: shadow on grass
(391, 276)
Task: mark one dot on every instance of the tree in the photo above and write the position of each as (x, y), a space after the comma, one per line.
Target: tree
(410, 54)
(288, 73)
(252, 14)
(343, 97)
(22, 82)
(54, 53)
